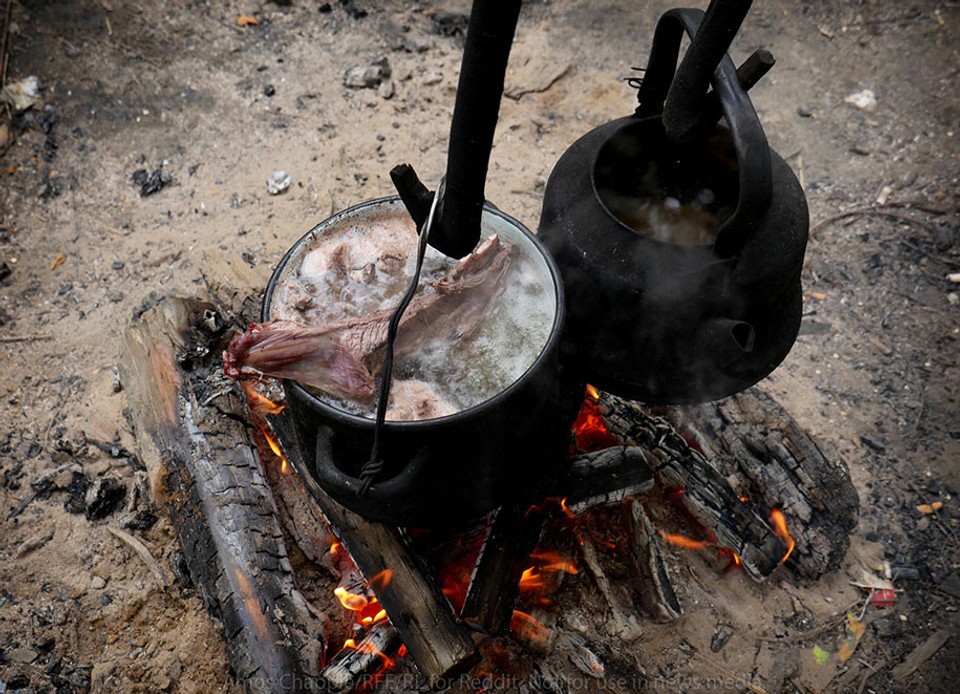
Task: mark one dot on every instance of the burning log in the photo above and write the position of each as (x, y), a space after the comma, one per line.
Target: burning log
(751, 437)
(605, 477)
(495, 582)
(205, 473)
(653, 581)
(440, 646)
(706, 494)
(358, 664)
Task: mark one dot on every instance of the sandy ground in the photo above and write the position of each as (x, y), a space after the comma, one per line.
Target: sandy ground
(183, 88)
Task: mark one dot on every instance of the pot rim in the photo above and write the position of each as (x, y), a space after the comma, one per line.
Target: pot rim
(362, 422)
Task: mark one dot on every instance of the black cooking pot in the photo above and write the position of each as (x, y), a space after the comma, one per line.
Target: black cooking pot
(510, 448)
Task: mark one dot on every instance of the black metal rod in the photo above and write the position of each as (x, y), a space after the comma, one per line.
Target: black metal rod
(684, 106)
(485, 54)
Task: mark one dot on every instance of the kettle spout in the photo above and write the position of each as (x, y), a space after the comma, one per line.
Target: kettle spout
(725, 339)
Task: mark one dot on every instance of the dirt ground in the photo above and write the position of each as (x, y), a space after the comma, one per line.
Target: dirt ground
(207, 106)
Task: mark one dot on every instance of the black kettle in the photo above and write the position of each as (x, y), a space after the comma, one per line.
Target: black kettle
(680, 240)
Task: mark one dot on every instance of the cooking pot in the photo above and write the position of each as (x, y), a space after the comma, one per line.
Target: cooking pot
(655, 319)
(445, 470)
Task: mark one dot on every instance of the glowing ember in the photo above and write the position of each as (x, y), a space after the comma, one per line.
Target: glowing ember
(528, 627)
(590, 431)
(780, 528)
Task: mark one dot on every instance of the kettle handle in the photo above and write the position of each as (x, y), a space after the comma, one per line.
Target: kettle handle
(750, 142)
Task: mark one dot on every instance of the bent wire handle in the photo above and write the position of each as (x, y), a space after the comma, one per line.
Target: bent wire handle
(374, 465)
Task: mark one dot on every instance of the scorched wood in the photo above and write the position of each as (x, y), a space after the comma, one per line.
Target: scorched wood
(205, 473)
(752, 438)
(437, 642)
(646, 557)
(707, 495)
(495, 582)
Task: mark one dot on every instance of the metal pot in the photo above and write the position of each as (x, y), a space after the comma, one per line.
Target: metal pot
(656, 320)
(449, 469)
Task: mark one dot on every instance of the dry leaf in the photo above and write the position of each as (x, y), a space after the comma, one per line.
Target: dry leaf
(246, 20)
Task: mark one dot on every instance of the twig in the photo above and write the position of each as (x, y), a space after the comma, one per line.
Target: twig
(143, 553)
(4, 339)
(6, 43)
(871, 672)
(871, 212)
(927, 253)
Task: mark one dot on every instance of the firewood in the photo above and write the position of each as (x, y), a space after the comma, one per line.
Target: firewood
(440, 646)
(205, 473)
(750, 437)
(621, 623)
(646, 557)
(707, 495)
(356, 666)
(495, 582)
(606, 477)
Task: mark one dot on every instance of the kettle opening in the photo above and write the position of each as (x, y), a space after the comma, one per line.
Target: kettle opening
(647, 189)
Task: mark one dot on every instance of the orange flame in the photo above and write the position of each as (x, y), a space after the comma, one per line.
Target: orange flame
(551, 561)
(780, 528)
(683, 541)
(528, 627)
(381, 580)
(531, 580)
(366, 647)
(351, 601)
(275, 447)
(258, 402)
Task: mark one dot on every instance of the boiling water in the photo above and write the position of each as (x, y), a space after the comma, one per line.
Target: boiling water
(362, 263)
(647, 209)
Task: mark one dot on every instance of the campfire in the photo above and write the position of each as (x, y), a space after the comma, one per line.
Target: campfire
(409, 410)
(644, 490)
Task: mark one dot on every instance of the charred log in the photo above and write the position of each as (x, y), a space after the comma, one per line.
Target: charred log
(649, 568)
(751, 438)
(707, 495)
(437, 642)
(205, 474)
(358, 665)
(607, 476)
(495, 582)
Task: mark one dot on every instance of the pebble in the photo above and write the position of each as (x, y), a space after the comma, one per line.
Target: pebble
(387, 89)
(367, 76)
(865, 100)
(22, 655)
(278, 182)
(98, 583)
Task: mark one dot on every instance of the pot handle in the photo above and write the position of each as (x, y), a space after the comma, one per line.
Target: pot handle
(753, 151)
